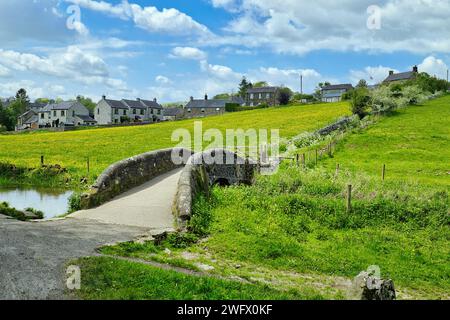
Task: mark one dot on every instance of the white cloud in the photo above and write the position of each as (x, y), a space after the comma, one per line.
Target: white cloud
(4, 72)
(149, 18)
(372, 75)
(188, 53)
(219, 71)
(162, 80)
(302, 26)
(33, 89)
(434, 67)
(72, 63)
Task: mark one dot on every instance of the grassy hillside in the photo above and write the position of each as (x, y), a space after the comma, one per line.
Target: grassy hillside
(106, 146)
(414, 143)
(292, 230)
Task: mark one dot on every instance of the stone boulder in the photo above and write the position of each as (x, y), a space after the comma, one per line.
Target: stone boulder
(366, 286)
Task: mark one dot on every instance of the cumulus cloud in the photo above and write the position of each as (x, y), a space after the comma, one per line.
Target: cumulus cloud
(72, 63)
(302, 26)
(372, 75)
(219, 71)
(170, 21)
(434, 67)
(4, 72)
(162, 80)
(188, 53)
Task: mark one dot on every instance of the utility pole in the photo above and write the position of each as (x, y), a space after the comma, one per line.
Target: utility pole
(301, 83)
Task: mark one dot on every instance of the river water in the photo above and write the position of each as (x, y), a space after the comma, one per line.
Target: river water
(51, 202)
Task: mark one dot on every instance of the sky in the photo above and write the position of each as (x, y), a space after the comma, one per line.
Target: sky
(174, 49)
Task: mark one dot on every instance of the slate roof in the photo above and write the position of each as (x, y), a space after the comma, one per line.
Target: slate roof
(152, 104)
(58, 106)
(400, 76)
(116, 104)
(345, 86)
(86, 118)
(207, 104)
(33, 119)
(135, 104)
(238, 100)
(172, 112)
(263, 90)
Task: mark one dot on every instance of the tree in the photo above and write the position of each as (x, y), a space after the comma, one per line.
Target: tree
(318, 91)
(42, 100)
(22, 96)
(7, 118)
(260, 84)
(87, 102)
(222, 96)
(284, 96)
(244, 86)
(362, 84)
(360, 102)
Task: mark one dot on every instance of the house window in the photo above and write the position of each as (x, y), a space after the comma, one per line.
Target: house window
(134, 111)
(62, 113)
(98, 111)
(159, 112)
(260, 95)
(252, 96)
(54, 113)
(116, 111)
(124, 112)
(151, 111)
(267, 95)
(203, 110)
(73, 113)
(142, 112)
(42, 116)
(189, 110)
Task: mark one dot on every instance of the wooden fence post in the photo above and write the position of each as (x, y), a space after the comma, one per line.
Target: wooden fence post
(42, 160)
(349, 198)
(298, 160)
(304, 160)
(383, 172)
(317, 155)
(337, 168)
(88, 165)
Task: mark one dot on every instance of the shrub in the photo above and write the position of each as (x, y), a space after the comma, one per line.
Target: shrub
(360, 102)
(284, 96)
(75, 202)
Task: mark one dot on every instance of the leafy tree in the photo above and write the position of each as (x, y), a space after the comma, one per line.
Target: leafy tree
(87, 102)
(360, 102)
(284, 96)
(244, 86)
(318, 91)
(222, 96)
(260, 84)
(7, 118)
(42, 100)
(362, 84)
(22, 96)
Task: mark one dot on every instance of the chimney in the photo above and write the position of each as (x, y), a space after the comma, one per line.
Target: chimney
(155, 100)
(415, 69)
(103, 97)
(192, 98)
(391, 72)
(206, 97)
(138, 99)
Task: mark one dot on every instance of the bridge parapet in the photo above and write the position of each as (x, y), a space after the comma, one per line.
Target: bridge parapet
(203, 170)
(133, 172)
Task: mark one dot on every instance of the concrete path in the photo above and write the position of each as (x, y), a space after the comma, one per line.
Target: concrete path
(33, 255)
(149, 206)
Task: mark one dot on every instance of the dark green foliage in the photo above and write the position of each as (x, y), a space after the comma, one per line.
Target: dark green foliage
(6, 210)
(284, 96)
(75, 202)
(181, 240)
(88, 103)
(201, 216)
(244, 86)
(234, 107)
(360, 100)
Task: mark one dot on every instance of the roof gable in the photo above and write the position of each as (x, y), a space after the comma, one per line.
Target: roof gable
(400, 76)
(263, 90)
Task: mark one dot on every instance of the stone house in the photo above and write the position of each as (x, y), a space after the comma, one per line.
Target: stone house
(197, 108)
(333, 93)
(28, 120)
(263, 95)
(404, 76)
(173, 114)
(64, 114)
(109, 111)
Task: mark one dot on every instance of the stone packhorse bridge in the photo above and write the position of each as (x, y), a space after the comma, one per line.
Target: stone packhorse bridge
(150, 190)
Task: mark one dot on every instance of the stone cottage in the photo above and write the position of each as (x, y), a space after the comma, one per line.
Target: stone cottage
(64, 114)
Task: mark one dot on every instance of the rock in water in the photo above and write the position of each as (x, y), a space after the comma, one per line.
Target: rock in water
(370, 287)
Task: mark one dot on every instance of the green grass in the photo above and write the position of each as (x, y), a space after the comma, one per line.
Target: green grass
(414, 143)
(292, 230)
(112, 279)
(109, 145)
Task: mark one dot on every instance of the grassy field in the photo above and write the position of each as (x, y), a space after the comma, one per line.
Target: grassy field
(106, 146)
(292, 230)
(414, 144)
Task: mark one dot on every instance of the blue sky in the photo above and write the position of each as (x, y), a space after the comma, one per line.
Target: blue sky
(175, 49)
